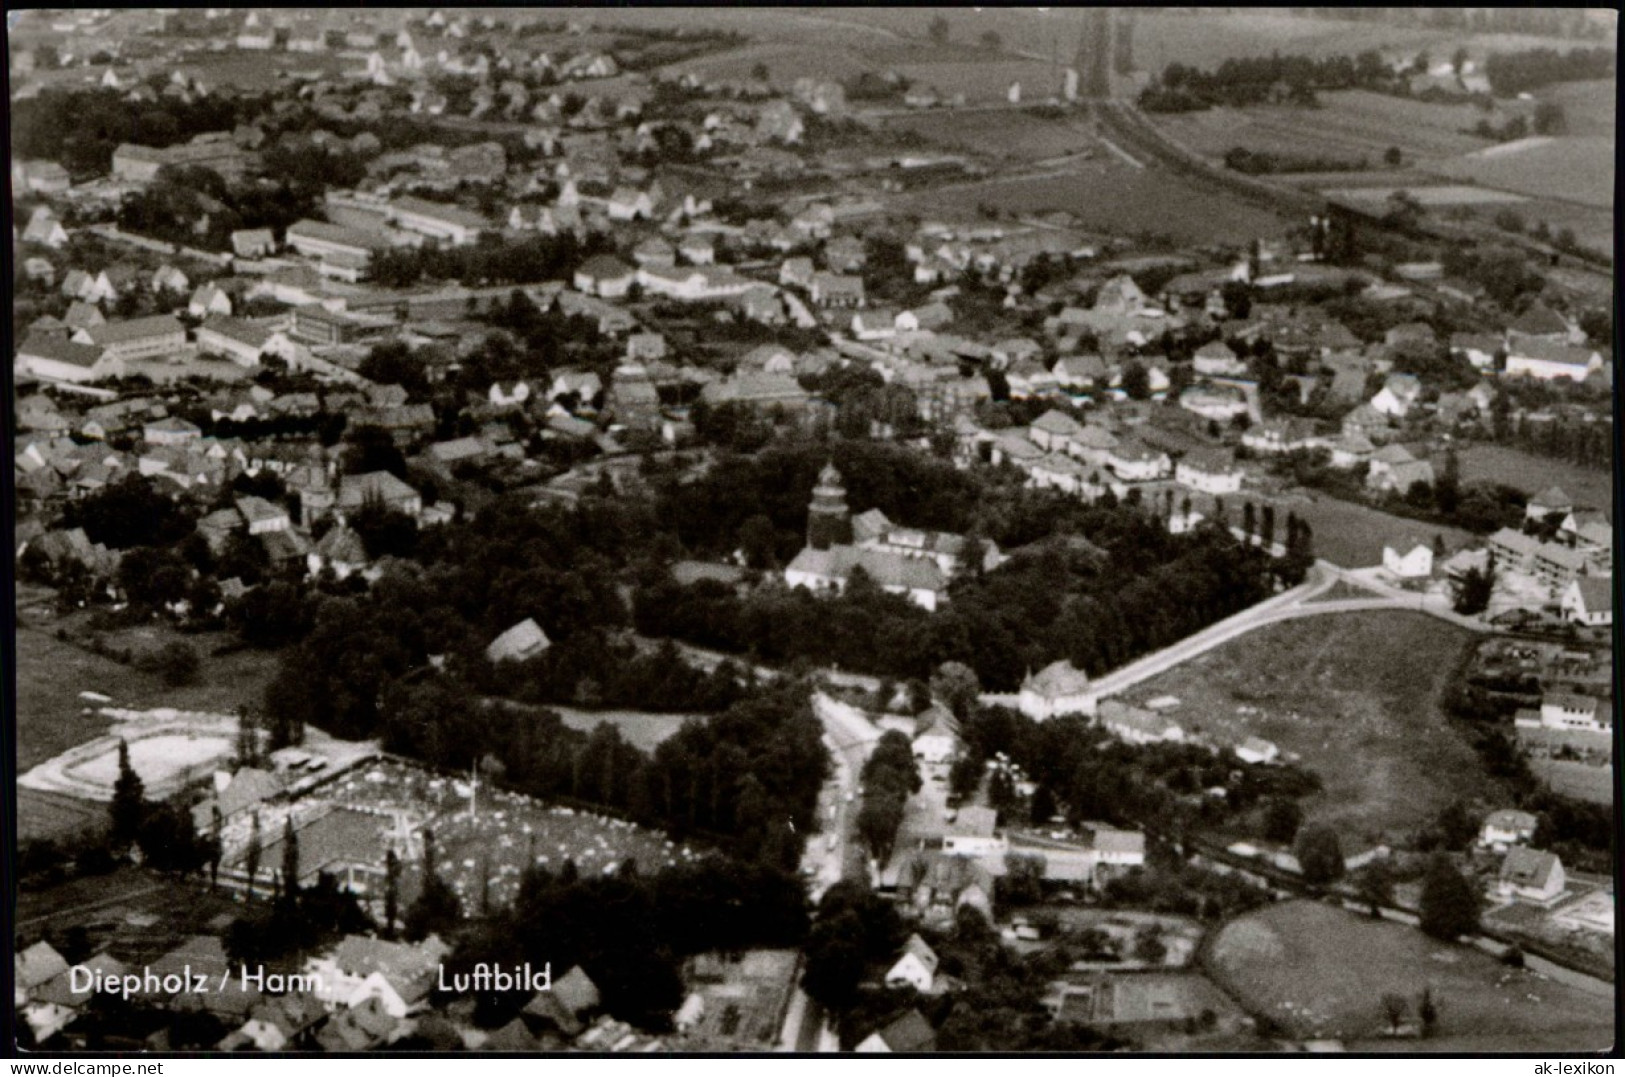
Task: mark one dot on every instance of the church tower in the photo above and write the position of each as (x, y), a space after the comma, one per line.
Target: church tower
(829, 523)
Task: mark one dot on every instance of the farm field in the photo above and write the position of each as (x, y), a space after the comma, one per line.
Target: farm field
(1321, 971)
(1532, 474)
(1335, 688)
(1007, 134)
(1578, 169)
(1351, 125)
(1107, 196)
(1351, 535)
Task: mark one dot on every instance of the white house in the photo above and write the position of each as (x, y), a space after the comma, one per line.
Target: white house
(917, 968)
(938, 738)
(1548, 361)
(1409, 561)
(1589, 600)
(1132, 462)
(1565, 710)
(208, 299)
(398, 975)
(1398, 395)
(1210, 472)
(1058, 688)
(1505, 828)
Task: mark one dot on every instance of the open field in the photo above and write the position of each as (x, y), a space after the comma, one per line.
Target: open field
(56, 816)
(1589, 107)
(1350, 125)
(1107, 196)
(1320, 971)
(1578, 780)
(1335, 688)
(1351, 535)
(1580, 169)
(1532, 474)
(641, 729)
(52, 673)
(1008, 134)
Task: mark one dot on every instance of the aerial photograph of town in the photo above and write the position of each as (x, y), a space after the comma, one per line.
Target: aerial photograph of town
(812, 531)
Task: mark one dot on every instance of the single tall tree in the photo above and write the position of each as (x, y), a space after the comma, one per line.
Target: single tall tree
(129, 806)
(392, 891)
(1450, 904)
(290, 862)
(1320, 855)
(251, 856)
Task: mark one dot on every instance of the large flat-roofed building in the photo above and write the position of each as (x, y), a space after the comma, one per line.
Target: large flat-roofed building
(453, 224)
(135, 338)
(318, 239)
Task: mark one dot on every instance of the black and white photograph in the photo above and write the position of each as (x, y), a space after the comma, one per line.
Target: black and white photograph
(803, 531)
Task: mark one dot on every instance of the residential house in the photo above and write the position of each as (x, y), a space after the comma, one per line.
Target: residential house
(1530, 875)
(1505, 828)
(1398, 395)
(1209, 471)
(916, 968)
(1279, 436)
(1479, 349)
(208, 299)
(376, 487)
(1589, 600)
(836, 290)
(394, 976)
(44, 229)
(253, 243)
(1218, 359)
(906, 1035)
(937, 739)
(1395, 469)
(1542, 324)
(1054, 430)
(604, 276)
(508, 394)
(1411, 560)
(1551, 501)
(1133, 461)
